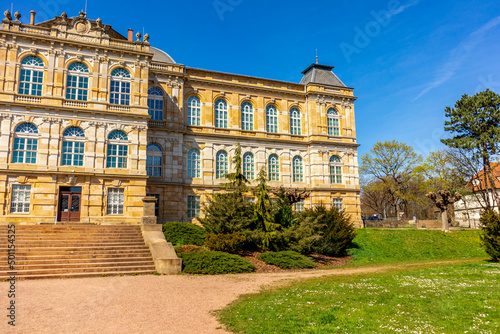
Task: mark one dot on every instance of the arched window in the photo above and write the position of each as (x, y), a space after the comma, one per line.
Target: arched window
(272, 119)
(295, 122)
(248, 166)
(77, 84)
(221, 165)
(335, 170)
(155, 104)
(153, 160)
(246, 116)
(120, 87)
(274, 168)
(117, 150)
(298, 169)
(25, 144)
(220, 114)
(194, 164)
(73, 147)
(194, 111)
(31, 77)
(333, 122)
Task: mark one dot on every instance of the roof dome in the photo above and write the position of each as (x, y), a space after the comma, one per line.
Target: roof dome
(161, 56)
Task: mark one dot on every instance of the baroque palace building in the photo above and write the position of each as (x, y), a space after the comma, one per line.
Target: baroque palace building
(93, 121)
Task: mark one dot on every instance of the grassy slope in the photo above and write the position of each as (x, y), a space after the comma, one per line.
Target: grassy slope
(445, 299)
(452, 299)
(376, 246)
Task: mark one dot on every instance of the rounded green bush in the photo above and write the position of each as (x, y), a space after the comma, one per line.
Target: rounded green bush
(184, 234)
(213, 263)
(287, 260)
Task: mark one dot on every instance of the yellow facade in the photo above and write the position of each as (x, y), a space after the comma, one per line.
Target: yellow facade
(64, 41)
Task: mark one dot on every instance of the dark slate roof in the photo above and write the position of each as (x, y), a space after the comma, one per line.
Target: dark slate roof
(321, 74)
(161, 56)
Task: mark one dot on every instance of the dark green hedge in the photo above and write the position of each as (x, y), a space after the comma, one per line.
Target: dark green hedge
(184, 234)
(213, 263)
(287, 260)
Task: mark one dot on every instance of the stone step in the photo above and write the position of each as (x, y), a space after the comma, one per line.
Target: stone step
(72, 243)
(68, 260)
(142, 268)
(5, 277)
(90, 264)
(90, 253)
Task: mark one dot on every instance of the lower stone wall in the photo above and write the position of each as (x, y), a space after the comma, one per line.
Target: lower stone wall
(44, 198)
(173, 201)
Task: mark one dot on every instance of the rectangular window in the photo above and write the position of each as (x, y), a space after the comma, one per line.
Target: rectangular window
(299, 206)
(117, 156)
(153, 166)
(24, 150)
(20, 201)
(337, 203)
(115, 201)
(193, 207)
(72, 153)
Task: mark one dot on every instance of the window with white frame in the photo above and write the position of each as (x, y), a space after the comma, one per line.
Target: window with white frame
(73, 147)
(115, 201)
(335, 170)
(120, 87)
(194, 163)
(220, 114)
(248, 166)
(193, 207)
(274, 168)
(31, 76)
(155, 104)
(246, 116)
(117, 150)
(153, 160)
(194, 111)
(25, 144)
(299, 206)
(20, 200)
(337, 203)
(298, 169)
(221, 165)
(295, 122)
(333, 122)
(272, 119)
(77, 83)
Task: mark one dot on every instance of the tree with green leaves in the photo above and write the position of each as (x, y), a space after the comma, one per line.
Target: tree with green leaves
(392, 163)
(474, 124)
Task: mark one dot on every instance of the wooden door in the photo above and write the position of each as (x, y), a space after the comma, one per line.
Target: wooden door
(69, 206)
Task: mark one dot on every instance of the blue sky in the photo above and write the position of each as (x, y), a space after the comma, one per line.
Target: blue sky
(406, 59)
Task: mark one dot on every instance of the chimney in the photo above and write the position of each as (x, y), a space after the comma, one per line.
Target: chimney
(130, 35)
(32, 20)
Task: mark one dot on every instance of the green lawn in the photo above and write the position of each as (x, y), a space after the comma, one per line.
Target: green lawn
(426, 298)
(377, 246)
(454, 299)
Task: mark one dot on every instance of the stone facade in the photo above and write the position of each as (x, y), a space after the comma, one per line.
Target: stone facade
(163, 122)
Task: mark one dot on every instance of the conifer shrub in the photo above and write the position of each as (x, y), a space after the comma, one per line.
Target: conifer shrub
(229, 242)
(227, 213)
(321, 230)
(213, 263)
(287, 260)
(189, 249)
(184, 234)
(490, 221)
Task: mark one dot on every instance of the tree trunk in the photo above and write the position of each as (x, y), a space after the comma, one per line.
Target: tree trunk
(444, 217)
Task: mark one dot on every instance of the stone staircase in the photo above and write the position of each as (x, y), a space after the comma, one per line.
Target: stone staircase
(64, 251)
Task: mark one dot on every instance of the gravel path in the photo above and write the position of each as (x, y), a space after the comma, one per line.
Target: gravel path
(177, 304)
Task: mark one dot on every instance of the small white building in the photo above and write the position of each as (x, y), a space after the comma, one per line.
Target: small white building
(468, 209)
